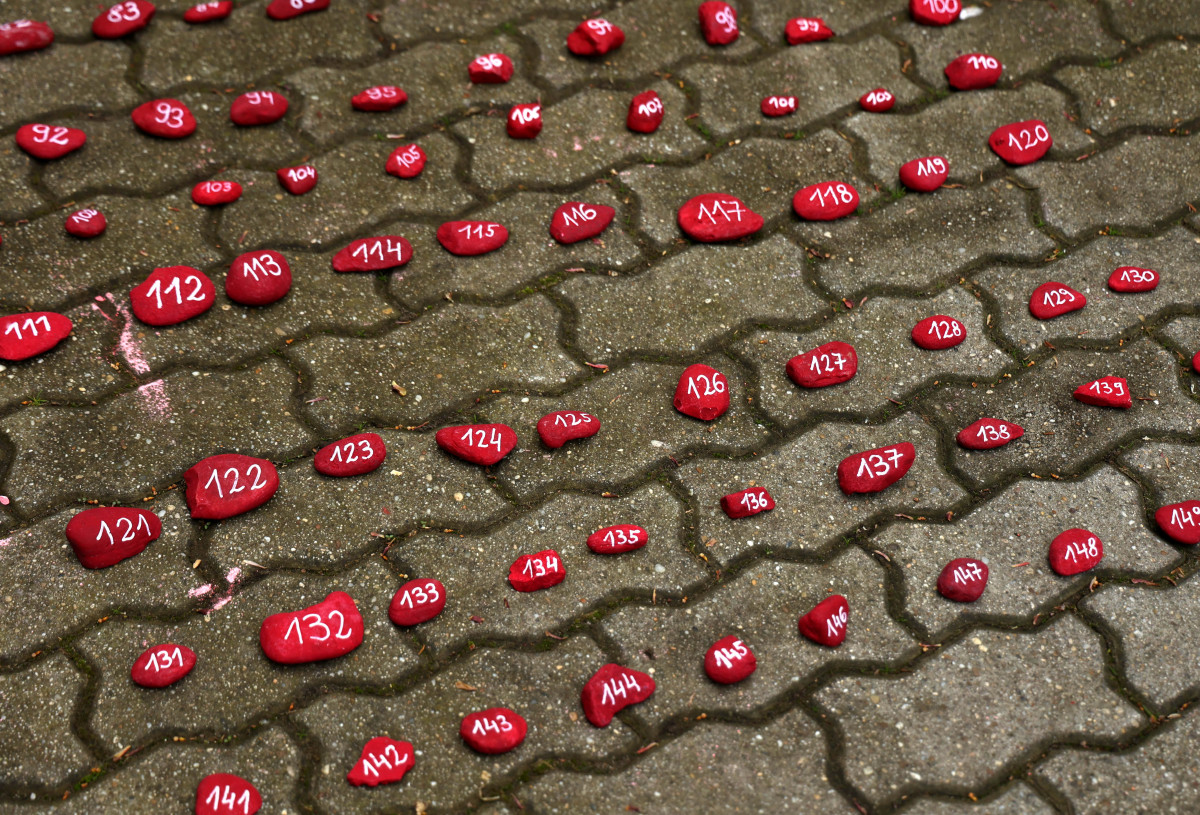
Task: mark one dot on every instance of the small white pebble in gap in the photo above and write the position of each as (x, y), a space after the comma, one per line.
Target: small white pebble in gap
(970, 11)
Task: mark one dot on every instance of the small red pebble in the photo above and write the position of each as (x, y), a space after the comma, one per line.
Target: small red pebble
(258, 278)
(702, 392)
(163, 665)
(383, 761)
(49, 142)
(164, 118)
(525, 121)
(575, 221)
(490, 69)
(1180, 521)
(718, 22)
(258, 108)
(225, 794)
(1131, 279)
(229, 484)
(1075, 551)
(406, 161)
(826, 201)
(826, 623)
(216, 193)
(373, 254)
(24, 35)
(562, 426)
(828, 364)
(877, 101)
(104, 536)
(1052, 299)
(379, 98)
(714, 217)
(986, 434)
(359, 454)
(645, 112)
(806, 29)
(417, 601)
(171, 295)
(287, 9)
(935, 12)
(972, 72)
(938, 332)
(1109, 391)
(122, 19)
(777, 105)
(86, 223)
(537, 571)
(483, 444)
(493, 731)
(34, 332)
(615, 540)
(963, 580)
(595, 37)
(729, 660)
(747, 502)
(471, 237)
(1196, 362)
(924, 174)
(612, 689)
(1021, 142)
(208, 12)
(877, 469)
(297, 180)
(327, 630)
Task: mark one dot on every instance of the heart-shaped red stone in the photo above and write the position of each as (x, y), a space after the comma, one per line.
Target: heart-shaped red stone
(490, 69)
(122, 19)
(471, 237)
(540, 570)
(483, 444)
(258, 108)
(1181, 522)
(828, 364)
(327, 630)
(1130, 279)
(406, 161)
(287, 9)
(748, 502)
(612, 689)
(924, 174)
(777, 105)
(1074, 551)
(229, 484)
(877, 101)
(702, 392)
(877, 469)
(595, 37)
(645, 112)
(258, 278)
(972, 72)
(1053, 299)
(562, 426)
(359, 454)
(729, 660)
(24, 35)
(86, 223)
(297, 180)
(716, 216)
(826, 623)
(493, 731)
(938, 332)
(986, 434)
(417, 601)
(575, 221)
(806, 29)
(164, 118)
(826, 201)
(383, 761)
(373, 254)
(525, 121)
(216, 193)
(1108, 391)
(963, 580)
(49, 142)
(379, 98)
(226, 794)
(1021, 142)
(171, 295)
(104, 536)
(208, 12)
(614, 540)
(718, 22)
(935, 12)
(163, 665)
(34, 332)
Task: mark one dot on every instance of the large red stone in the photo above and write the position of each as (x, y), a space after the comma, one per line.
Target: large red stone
(986, 434)
(229, 484)
(86, 223)
(1021, 142)
(226, 794)
(49, 142)
(938, 332)
(24, 35)
(826, 201)
(359, 454)
(806, 29)
(715, 216)
(383, 761)
(924, 174)
(123, 19)
(1108, 391)
(172, 295)
(483, 444)
(718, 22)
(406, 161)
(208, 12)
(162, 665)
(828, 364)
(877, 469)
(379, 98)
(287, 9)
(612, 689)
(702, 393)
(104, 536)
(935, 12)
(258, 278)
(1074, 551)
(417, 601)
(747, 502)
(472, 237)
(490, 69)
(826, 623)
(1131, 279)
(1181, 522)
(963, 580)
(164, 118)
(255, 108)
(729, 660)
(1052, 299)
(562, 426)
(615, 540)
(972, 72)
(540, 570)
(595, 37)
(576, 221)
(35, 332)
(327, 630)
(373, 254)
(525, 121)
(645, 112)
(493, 731)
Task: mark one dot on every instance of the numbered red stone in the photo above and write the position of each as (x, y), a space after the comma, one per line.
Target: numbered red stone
(49, 142)
(748, 502)
(1180, 522)
(24, 35)
(718, 22)
(830, 364)
(562, 426)
(875, 470)
(972, 72)
(229, 484)
(777, 105)
(806, 29)
(729, 660)
(417, 601)
(826, 201)
(645, 112)
(615, 540)
(226, 794)
(471, 237)
(123, 19)
(612, 689)
(86, 223)
(702, 393)
(359, 454)
(406, 161)
(258, 278)
(1021, 142)
(163, 665)
(34, 332)
(877, 101)
(208, 12)
(576, 221)
(493, 731)
(379, 98)
(595, 37)
(826, 623)
(483, 444)
(171, 295)
(537, 571)
(1108, 391)
(963, 580)
(373, 254)
(1131, 279)
(164, 119)
(327, 630)
(924, 174)
(490, 69)
(525, 121)
(216, 193)
(938, 332)
(104, 536)
(383, 761)
(297, 180)
(287, 9)
(1052, 299)
(715, 216)
(1196, 362)
(1074, 551)
(258, 108)
(935, 12)
(986, 434)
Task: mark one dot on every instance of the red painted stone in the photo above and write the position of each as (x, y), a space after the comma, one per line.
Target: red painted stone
(122, 19)
(595, 37)
(327, 630)
(1108, 391)
(258, 278)
(748, 502)
(986, 434)
(715, 216)
(645, 112)
(1074, 551)
(1021, 142)
(806, 29)
(1131, 279)
(935, 12)
(938, 332)
(104, 536)
(879, 100)
(86, 223)
(483, 444)
(702, 392)
(1196, 362)
(1052, 299)
(615, 540)
(34, 332)
(718, 22)
(258, 108)
(163, 665)
(963, 580)
(171, 295)
(24, 35)
(493, 731)
(226, 794)
(208, 12)
(216, 193)
(826, 623)
(877, 469)
(612, 689)
(471, 237)
(297, 180)
(359, 454)
(229, 484)
(383, 761)
(924, 174)
(972, 72)
(1181, 522)
(729, 660)
(287, 9)
(379, 98)
(525, 121)
(406, 161)
(490, 69)
(826, 201)
(576, 221)
(49, 142)
(373, 254)
(537, 571)
(164, 118)
(417, 601)
(562, 426)
(777, 105)
(830, 364)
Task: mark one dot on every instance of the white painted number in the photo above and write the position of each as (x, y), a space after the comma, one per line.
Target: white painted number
(540, 567)
(877, 466)
(420, 595)
(836, 193)
(30, 325)
(715, 386)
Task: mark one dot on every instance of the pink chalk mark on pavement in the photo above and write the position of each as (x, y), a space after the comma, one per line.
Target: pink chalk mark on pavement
(231, 578)
(154, 394)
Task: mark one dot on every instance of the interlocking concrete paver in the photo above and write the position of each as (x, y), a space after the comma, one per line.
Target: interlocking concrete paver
(37, 747)
(416, 20)
(1172, 470)
(69, 20)
(1017, 799)
(1154, 18)
(17, 197)
(87, 76)
(845, 17)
